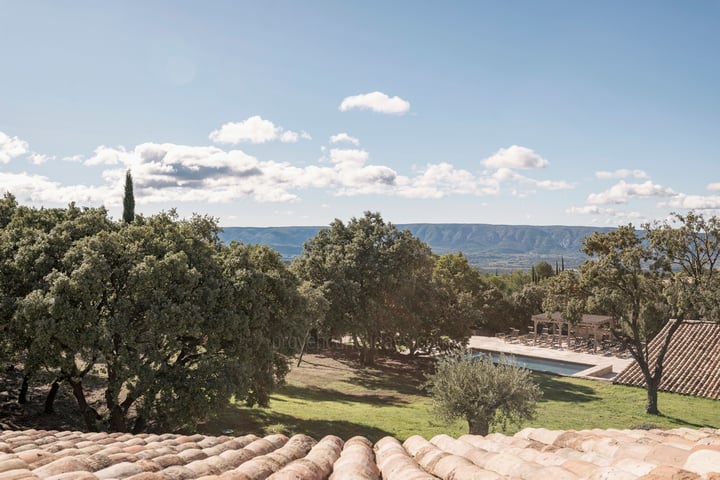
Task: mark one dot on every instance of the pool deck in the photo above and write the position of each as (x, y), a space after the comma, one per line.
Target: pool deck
(604, 366)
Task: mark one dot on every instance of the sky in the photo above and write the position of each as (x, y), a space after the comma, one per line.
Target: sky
(284, 113)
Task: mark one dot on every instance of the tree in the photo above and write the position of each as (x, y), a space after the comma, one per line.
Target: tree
(624, 283)
(688, 247)
(128, 199)
(564, 293)
(482, 393)
(447, 306)
(361, 266)
(33, 243)
(173, 323)
(528, 302)
(543, 270)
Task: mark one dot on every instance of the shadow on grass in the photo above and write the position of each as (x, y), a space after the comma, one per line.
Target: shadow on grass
(317, 394)
(262, 422)
(318, 365)
(393, 372)
(685, 423)
(401, 383)
(557, 389)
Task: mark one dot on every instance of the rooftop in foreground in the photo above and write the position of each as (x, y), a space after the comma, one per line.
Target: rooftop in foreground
(533, 453)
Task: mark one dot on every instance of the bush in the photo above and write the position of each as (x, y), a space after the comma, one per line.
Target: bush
(484, 394)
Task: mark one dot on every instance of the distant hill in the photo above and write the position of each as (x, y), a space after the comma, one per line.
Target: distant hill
(490, 247)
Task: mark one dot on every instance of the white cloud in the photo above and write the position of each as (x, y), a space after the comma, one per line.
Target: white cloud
(552, 184)
(515, 157)
(348, 156)
(595, 210)
(289, 136)
(11, 147)
(171, 174)
(697, 202)
(377, 102)
(621, 173)
(39, 159)
(443, 179)
(503, 175)
(713, 187)
(40, 189)
(621, 192)
(106, 156)
(344, 137)
(255, 130)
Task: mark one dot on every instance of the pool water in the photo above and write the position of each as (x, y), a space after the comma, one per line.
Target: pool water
(538, 364)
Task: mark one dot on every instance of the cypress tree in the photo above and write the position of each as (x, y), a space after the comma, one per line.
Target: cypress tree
(128, 199)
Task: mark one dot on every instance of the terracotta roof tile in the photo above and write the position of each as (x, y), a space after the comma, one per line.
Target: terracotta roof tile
(533, 453)
(692, 362)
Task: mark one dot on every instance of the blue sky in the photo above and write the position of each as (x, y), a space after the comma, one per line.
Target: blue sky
(295, 113)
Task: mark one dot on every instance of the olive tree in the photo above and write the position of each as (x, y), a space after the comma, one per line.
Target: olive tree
(473, 388)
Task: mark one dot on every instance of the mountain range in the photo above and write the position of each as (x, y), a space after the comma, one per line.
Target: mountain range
(500, 248)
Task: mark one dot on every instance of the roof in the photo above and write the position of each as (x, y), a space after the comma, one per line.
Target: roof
(532, 454)
(692, 362)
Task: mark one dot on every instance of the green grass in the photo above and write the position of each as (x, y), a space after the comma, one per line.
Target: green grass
(332, 394)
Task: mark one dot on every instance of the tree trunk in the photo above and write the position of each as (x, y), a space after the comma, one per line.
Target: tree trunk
(140, 425)
(478, 426)
(302, 348)
(652, 400)
(89, 414)
(367, 355)
(117, 416)
(50, 399)
(22, 397)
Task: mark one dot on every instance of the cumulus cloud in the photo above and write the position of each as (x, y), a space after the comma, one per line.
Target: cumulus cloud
(694, 202)
(607, 216)
(38, 158)
(41, 189)
(172, 173)
(11, 147)
(344, 137)
(713, 187)
(377, 102)
(621, 192)
(443, 179)
(621, 173)
(515, 157)
(595, 210)
(504, 174)
(255, 130)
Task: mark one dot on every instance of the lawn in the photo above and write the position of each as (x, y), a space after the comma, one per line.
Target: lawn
(332, 394)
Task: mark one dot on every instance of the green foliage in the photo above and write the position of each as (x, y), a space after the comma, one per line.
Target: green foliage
(689, 245)
(484, 394)
(544, 270)
(384, 288)
(643, 281)
(172, 322)
(371, 275)
(564, 293)
(128, 199)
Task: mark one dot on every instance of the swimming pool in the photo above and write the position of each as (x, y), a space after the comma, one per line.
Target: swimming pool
(538, 364)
